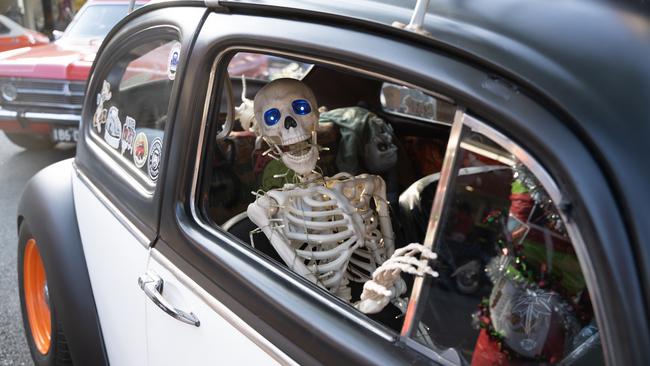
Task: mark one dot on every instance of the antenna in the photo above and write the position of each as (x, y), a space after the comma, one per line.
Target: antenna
(131, 5)
(417, 19)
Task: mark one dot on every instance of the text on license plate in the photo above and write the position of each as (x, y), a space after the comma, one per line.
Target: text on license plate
(65, 134)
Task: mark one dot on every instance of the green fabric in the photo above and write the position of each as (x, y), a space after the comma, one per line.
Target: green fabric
(571, 278)
(351, 122)
(518, 187)
(276, 167)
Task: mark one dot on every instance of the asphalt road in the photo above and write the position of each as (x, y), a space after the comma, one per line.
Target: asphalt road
(16, 167)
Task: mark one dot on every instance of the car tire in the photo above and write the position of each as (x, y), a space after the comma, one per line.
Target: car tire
(31, 142)
(43, 330)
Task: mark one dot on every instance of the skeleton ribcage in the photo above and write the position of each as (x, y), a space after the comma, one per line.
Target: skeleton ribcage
(334, 237)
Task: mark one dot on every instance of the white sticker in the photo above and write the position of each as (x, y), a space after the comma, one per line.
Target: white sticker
(154, 160)
(113, 132)
(128, 135)
(173, 60)
(100, 113)
(140, 150)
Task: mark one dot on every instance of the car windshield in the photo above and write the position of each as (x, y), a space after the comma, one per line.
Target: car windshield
(95, 21)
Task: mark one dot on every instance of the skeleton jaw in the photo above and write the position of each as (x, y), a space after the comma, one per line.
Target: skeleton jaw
(300, 155)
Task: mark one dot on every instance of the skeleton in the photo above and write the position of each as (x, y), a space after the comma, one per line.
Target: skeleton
(331, 230)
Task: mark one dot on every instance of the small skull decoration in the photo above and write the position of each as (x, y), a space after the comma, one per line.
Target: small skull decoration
(287, 114)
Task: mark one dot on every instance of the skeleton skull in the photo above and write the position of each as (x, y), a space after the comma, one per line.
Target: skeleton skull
(287, 114)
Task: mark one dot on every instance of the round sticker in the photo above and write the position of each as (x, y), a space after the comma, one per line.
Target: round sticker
(154, 160)
(140, 150)
(173, 60)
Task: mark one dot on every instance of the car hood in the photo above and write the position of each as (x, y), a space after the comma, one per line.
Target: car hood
(63, 59)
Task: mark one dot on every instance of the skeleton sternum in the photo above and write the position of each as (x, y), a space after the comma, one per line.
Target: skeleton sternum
(332, 228)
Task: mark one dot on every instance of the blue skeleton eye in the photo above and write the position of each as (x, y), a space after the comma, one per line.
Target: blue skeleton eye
(301, 107)
(272, 116)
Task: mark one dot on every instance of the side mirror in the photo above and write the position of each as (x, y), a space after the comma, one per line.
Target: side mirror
(57, 34)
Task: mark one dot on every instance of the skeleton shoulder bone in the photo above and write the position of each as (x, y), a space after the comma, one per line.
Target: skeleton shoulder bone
(327, 229)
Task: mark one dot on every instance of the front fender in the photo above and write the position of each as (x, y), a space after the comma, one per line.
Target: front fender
(47, 205)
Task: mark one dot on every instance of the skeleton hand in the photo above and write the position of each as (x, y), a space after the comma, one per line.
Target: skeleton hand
(386, 282)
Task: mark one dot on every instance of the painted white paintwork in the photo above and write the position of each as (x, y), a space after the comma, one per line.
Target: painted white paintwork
(115, 260)
(215, 342)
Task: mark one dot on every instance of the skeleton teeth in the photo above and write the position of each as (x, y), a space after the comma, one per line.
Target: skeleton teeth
(298, 149)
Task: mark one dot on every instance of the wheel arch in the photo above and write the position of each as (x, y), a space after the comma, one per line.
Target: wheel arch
(47, 206)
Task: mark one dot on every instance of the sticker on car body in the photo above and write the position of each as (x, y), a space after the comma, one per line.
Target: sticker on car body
(113, 132)
(101, 113)
(153, 162)
(140, 150)
(128, 135)
(173, 59)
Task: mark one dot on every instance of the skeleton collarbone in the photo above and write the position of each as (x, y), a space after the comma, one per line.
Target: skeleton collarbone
(331, 230)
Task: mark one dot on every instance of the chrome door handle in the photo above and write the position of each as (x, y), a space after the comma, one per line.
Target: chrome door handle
(152, 286)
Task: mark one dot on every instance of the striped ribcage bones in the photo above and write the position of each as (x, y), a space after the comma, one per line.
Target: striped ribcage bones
(331, 232)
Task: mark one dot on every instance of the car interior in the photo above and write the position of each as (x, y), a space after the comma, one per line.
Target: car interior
(479, 218)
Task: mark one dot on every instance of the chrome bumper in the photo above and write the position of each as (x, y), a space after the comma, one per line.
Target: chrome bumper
(55, 118)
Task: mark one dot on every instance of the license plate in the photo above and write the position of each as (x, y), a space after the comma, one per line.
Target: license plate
(65, 134)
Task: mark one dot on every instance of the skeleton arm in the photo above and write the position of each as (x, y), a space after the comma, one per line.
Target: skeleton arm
(261, 213)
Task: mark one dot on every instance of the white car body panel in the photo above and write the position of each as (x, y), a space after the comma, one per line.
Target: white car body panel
(217, 341)
(115, 260)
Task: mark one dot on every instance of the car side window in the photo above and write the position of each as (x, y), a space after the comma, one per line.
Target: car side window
(510, 288)
(358, 146)
(3, 28)
(131, 105)
(509, 284)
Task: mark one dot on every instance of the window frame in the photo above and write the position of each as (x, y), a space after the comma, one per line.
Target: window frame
(461, 119)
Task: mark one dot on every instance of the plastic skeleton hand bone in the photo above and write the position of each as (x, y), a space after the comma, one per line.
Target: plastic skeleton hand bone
(386, 283)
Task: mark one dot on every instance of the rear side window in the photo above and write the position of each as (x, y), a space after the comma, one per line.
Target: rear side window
(131, 105)
(3, 28)
(511, 289)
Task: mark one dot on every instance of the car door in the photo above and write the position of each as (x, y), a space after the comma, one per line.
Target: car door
(118, 166)
(201, 271)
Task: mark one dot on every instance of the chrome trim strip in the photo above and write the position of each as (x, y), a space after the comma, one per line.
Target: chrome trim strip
(49, 92)
(224, 311)
(357, 319)
(443, 191)
(53, 116)
(139, 235)
(44, 104)
(6, 114)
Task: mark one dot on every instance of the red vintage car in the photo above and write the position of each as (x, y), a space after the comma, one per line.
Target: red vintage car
(13, 35)
(42, 88)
